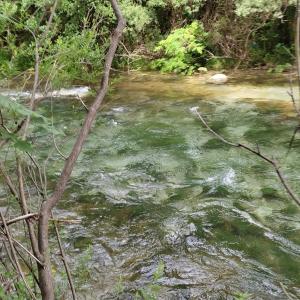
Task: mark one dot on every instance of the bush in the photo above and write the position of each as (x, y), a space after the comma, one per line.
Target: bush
(76, 57)
(183, 49)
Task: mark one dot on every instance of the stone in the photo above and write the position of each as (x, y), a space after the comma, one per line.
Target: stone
(202, 70)
(218, 79)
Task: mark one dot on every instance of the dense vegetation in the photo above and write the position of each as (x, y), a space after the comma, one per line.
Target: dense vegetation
(171, 35)
(53, 43)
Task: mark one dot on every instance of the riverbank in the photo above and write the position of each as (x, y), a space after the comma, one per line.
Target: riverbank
(191, 85)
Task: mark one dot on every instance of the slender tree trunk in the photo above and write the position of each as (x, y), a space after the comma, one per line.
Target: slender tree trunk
(297, 42)
(45, 277)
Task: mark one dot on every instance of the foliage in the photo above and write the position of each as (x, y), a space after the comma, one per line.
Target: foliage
(272, 45)
(183, 50)
(172, 14)
(280, 68)
(219, 63)
(15, 112)
(253, 33)
(247, 7)
(76, 42)
(12, 289)
(242, 296)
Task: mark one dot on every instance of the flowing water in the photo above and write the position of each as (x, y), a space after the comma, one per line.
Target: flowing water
(165, 208)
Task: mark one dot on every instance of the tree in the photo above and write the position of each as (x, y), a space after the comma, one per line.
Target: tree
(39, 239)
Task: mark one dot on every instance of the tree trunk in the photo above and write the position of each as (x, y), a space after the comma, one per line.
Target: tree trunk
(45, 276)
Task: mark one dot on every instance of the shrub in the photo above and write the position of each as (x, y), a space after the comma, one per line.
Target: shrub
(183, 49)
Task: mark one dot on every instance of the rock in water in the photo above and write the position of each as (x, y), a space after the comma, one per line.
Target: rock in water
(218, 79)
(202, 70)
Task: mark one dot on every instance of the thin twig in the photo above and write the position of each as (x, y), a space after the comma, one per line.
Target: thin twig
(27, 251)
(10, 241)
(57, 149)
(44, 36)
(291, 94)
(84, 105)
(28, 266)
(64, 221)
(286, 292)
(273, 162)
(64, 259)
(23, 203)
(9, 255)
(53, 136)
(293, 138)
(38, 168)
(8, 181)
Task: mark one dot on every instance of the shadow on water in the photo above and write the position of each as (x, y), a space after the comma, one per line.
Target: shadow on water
(153, 187)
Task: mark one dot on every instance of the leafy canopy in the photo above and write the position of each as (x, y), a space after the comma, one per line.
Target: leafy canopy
(247, 7)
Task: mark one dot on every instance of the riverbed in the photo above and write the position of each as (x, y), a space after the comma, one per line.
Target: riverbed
(164, 208)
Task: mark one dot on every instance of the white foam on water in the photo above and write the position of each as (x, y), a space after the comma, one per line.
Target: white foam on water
(228, 178)
(80, 91)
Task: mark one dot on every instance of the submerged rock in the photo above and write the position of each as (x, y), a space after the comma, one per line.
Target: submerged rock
(218, 79)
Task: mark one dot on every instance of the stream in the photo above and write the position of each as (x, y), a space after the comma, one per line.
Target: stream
(163, 208)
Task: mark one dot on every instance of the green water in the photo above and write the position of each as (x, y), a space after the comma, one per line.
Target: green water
(152, 187)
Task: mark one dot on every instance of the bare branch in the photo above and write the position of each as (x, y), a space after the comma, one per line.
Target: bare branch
(64, 259)
(213, 132)
(28, 265)
(14, 255)
(20, 218)
(23, 203)
(53, 136)
(23, 126)
(69, 165)
(53, 9)
(297, 45)
(84, 105)
(8, 181)
(259, 154)
(291, 94)
(293, 138)
(27, 251)
(289, 296)
(21, 246)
